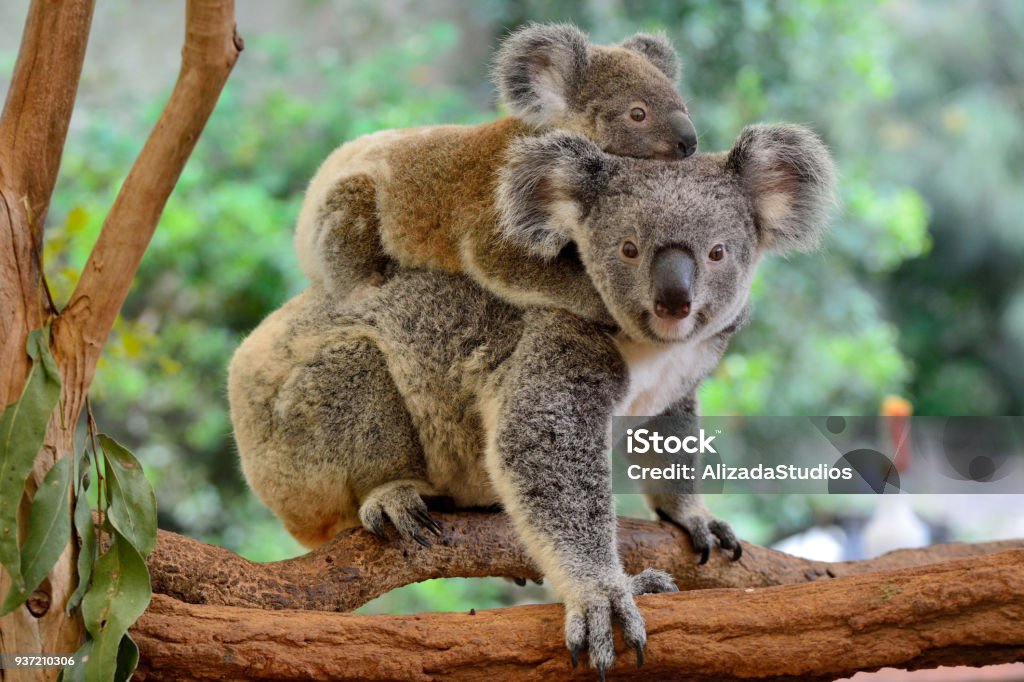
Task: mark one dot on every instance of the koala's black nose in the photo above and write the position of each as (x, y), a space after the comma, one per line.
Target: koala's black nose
(672, 273)
(682, 126)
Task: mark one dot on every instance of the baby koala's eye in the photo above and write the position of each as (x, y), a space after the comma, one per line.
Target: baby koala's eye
(637, 114)
(717, 252)
(629, 251)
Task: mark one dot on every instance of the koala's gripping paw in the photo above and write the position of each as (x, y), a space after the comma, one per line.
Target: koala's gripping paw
(703, 528)
(400, 502)
(591, 611)
(652, 581)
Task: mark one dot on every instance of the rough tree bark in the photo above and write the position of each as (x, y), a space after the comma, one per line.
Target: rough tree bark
(963, 612)
(356, 567)
(33, 128)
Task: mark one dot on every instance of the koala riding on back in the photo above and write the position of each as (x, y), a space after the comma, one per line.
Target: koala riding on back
(350, 412)
(424, 197)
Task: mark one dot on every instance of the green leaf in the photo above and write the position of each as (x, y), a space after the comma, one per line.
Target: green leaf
(49, 527)
(127, 659)
(76, 672)
(87, 551)
(132, 502)
(22, 430)
(119, 593)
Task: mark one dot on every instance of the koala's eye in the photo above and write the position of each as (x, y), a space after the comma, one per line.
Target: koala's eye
(629, 250)
(637, 114)
(717, 252)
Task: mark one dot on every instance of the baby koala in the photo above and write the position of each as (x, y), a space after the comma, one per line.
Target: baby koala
(424, 197)
(349, 412)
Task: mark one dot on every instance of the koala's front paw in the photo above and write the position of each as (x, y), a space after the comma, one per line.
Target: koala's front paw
(399, 501)
(591, 610)
(703, 528)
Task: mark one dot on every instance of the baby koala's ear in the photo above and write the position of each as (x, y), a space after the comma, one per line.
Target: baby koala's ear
(790, 177)
(537, 70)
(658, 50)
(546, 188)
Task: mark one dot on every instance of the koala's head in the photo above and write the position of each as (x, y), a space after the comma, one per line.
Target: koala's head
(671, 247)
(622, 97)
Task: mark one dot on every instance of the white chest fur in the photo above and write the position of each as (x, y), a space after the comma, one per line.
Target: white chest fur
(659, 375)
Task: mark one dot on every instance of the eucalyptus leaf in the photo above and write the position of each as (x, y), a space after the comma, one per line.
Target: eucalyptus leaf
(22, 430)
(132, 502)
(119, 593)
(87, 551)
(76, 672)
(127, 659)
(49, 528)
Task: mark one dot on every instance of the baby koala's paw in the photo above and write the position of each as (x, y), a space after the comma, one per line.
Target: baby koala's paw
(703, 528)
(593, 608)
(652, 581)
(399, 501)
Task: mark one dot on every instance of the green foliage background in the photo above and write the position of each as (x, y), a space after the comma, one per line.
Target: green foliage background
(918, 291)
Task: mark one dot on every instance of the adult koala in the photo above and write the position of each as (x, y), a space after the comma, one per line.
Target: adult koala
(347, 414)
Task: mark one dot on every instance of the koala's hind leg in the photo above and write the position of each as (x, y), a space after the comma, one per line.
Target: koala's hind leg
(347, 238)
(356, 447)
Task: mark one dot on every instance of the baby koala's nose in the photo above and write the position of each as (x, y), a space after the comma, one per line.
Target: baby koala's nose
(672, 273)
(682, 126)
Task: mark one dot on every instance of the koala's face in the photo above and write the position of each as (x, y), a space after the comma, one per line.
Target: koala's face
(622, 97)
(629, 107)
(671, 247)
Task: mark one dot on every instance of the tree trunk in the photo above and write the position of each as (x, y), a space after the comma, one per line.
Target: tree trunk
(33, 128)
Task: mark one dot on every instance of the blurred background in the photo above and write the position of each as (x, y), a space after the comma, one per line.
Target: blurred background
(919, 291)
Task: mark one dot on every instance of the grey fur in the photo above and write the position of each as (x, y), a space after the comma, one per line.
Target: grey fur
(539, 173)
(538, 69)
(657, 48)
(350, 412)
(789, 160)
(780, 181)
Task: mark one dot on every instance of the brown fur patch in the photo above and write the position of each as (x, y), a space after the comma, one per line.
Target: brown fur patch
(441, 186)
(356, 197)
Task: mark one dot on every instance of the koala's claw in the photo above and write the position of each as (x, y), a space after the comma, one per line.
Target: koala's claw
(424, 517)
(377, 528)
(726, 538)
(401, 503)
(589, 620)
(703, 529)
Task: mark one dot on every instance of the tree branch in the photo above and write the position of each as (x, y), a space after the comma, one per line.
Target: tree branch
(965, 612)
(33, 127)
(355, 567)
(211, 48)
(34, 123)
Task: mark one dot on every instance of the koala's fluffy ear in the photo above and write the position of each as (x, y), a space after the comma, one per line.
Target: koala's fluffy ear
(658, 50)
(547, 187)
(790, 178)
(538, 69)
